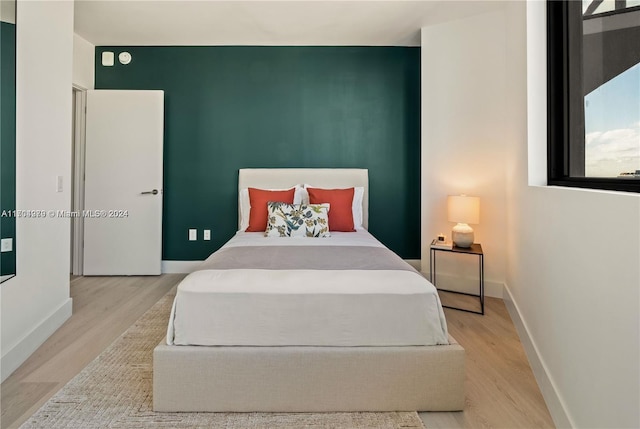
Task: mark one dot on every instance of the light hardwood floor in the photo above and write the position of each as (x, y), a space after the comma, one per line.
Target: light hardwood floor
(103, 308)
(501, 390)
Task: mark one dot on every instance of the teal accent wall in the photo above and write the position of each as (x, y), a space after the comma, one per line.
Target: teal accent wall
(232, 107)
(8, 141)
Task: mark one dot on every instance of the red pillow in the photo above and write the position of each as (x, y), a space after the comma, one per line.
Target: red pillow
(340, 211)
(258, 199)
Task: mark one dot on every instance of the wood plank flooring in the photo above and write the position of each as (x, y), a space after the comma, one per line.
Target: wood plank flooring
(501, 390)
(103, 308)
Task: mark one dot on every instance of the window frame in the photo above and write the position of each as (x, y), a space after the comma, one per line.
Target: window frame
(565, 104)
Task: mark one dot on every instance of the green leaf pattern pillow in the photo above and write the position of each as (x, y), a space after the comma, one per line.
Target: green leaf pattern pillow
(297, 220)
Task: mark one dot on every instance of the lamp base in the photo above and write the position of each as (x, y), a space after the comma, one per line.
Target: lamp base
(462, 235)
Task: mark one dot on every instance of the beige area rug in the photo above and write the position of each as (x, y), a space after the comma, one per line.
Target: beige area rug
(114, 391)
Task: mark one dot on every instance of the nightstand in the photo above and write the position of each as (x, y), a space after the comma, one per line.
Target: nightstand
(475, 250)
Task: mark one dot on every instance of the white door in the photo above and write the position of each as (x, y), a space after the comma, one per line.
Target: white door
(123, 183)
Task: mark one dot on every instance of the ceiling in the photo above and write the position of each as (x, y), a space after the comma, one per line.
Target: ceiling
(8, 11)
(311, 22)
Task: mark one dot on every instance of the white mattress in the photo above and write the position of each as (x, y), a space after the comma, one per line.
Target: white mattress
(272, 307)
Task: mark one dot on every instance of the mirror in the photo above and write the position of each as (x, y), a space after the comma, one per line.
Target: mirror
(7, 138)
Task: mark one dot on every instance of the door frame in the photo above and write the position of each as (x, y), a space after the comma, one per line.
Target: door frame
(77, 179)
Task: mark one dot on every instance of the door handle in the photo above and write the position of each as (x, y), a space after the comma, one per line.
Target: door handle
(154, 192)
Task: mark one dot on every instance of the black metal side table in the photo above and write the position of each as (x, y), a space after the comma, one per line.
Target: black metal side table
(475, 249)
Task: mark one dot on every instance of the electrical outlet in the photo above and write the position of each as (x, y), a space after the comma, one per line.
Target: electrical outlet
(193, 234)
(207, 234)
(7, 245)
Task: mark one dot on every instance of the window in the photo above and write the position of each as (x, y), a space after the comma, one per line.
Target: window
(593, 62)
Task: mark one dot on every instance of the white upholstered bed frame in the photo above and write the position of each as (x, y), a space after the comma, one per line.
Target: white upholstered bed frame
(328, 178)
(308, 379)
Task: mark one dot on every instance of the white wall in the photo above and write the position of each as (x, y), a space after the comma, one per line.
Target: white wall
(36, 302)
(574, 261)
(463, 150)
(570, 258)
(83, 63)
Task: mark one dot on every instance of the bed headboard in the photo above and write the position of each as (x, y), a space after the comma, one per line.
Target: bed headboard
(281, 178)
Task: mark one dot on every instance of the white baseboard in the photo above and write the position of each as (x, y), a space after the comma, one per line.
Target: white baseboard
(415, 263)
(179, 267)
(34, 339)
(491, 288)
(554, 401)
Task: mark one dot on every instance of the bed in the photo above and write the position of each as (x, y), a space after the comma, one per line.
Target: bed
(307, 324)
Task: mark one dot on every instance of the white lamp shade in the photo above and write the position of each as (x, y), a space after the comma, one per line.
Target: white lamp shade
(463, 209)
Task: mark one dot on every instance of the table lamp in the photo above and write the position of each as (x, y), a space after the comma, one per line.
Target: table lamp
(463, 210)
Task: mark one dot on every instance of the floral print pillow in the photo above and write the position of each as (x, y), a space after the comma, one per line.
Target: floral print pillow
(297, 220)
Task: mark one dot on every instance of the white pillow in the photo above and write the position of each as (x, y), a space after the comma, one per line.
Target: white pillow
(356, 205)
(245, 204)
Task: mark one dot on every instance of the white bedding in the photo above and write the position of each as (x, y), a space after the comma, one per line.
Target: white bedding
(361, 237)
(306, 307)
